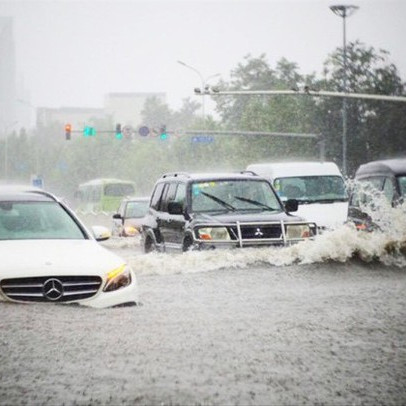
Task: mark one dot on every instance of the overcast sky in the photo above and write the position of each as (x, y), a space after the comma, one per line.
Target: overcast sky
(72, 53)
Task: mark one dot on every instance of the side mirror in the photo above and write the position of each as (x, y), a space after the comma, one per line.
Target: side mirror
(117, 216)
(175, 208)
(291, 205)
(101, 233)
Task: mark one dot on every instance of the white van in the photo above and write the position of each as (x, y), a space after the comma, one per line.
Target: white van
(318, 187)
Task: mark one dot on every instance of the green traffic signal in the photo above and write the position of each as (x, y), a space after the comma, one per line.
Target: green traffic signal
(119, 134)
(89, 131)
(163, 133)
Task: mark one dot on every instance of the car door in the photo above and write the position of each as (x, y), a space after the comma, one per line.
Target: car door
(118, 221)
(172, 225)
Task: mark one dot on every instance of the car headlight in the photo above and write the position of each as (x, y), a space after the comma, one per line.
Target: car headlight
(118, 278)
(130, 231)
(297, 231)
(213, 233)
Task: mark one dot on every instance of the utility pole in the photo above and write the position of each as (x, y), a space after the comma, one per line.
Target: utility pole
(344, 11)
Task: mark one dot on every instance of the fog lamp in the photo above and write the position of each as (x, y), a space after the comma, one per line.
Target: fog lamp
(130, 231)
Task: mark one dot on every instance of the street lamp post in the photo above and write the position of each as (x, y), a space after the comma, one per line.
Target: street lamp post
(344, 11)
(203, 82)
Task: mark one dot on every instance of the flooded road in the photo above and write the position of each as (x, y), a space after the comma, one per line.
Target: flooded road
(239, 327)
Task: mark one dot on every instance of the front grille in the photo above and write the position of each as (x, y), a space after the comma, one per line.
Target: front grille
(249, 232)
(254, 233)
(51, 288)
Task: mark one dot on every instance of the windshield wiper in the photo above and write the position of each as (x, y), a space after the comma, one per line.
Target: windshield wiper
(309, 201)
(255, 202)
(341, 199)
(219, 201)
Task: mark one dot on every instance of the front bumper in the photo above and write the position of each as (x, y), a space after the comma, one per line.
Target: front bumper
(32, 290)
(251, 234)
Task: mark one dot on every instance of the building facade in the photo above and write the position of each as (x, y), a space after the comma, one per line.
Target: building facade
(8, 92)
(126, 108)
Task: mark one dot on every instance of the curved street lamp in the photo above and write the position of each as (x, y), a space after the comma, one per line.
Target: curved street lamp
(203, 84)
(344, 11)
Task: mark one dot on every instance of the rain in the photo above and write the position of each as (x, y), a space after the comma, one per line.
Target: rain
(120, 93)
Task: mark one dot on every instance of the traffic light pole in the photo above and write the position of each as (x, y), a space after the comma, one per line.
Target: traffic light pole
(305, 92)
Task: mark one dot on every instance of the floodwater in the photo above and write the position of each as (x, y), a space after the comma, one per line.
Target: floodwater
(320, 322)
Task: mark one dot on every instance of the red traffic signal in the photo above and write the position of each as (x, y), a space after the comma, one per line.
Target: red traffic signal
(68, 130)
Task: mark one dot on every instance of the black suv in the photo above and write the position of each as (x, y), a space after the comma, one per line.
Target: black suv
(204, 211)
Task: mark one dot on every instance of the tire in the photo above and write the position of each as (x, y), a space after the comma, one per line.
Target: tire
(149, 245)
(188, 244)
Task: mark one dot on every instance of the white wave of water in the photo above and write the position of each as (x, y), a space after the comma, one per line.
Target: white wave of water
(387, 246)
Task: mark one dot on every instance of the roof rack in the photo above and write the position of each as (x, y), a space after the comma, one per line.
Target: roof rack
(176, 174)
(249, 173)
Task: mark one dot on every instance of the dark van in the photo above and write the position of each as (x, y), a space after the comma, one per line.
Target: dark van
(387, 177)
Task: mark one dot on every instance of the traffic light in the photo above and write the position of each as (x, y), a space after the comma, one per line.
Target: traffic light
(119, 134)
(163, 135)
(89, 131)
(68, 130)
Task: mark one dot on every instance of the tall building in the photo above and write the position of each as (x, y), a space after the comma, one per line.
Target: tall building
(123, 108)
(77, 117)
(126, 108)
(8, 92)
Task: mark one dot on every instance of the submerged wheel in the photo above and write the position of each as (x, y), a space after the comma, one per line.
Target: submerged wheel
(188, 244)
(149, 245)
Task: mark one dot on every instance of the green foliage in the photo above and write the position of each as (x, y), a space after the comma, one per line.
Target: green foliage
(375, 128)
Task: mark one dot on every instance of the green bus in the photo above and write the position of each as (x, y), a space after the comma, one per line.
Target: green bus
(102, 195)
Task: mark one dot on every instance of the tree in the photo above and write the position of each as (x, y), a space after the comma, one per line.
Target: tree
(376, 129)
(268, 113)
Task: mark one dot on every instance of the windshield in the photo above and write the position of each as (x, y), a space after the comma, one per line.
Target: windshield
(311, 188)
(136, 209)
(234, 195)
(36, 220)
(402, 185)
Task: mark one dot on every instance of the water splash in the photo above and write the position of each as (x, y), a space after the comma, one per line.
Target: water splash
(386, 246)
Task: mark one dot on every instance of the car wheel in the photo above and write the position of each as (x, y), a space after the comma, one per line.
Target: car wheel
(187, 244)
(149, 245)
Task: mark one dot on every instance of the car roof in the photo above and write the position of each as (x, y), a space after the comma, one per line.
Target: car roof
(136, 199)
(295, 168)
(395, 166)
(102, 181)
(205, 176)
(24, 193)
